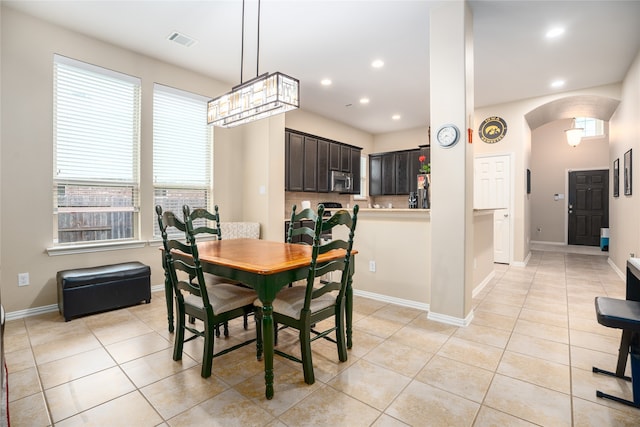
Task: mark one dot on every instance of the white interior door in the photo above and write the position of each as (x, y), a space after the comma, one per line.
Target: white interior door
(492, 190)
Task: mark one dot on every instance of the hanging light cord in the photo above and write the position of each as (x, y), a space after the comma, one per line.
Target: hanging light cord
(258, 50)
(242, 45)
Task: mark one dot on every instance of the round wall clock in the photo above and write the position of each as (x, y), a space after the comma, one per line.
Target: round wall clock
(492, 129)
(448, 135)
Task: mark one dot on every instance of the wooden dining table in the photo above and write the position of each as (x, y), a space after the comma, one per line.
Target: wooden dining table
(267, 267)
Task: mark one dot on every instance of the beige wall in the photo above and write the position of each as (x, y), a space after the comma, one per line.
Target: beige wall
(400, 245)
(625, 134)
(304, 121)
(551, 160)
(26, 192)
(404, 140)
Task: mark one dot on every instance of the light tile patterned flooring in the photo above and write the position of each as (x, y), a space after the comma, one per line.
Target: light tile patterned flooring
(525, 360)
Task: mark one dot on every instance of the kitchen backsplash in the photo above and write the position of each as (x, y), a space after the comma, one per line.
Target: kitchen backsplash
(295, 198)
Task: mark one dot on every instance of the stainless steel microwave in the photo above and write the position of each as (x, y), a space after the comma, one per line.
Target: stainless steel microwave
(340, 182)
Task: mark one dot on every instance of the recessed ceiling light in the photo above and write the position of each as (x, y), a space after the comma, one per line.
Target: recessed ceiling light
(364, 100)
(554, 32)
(378, 63)
(395, 117)
(325, 82)
(557, 83)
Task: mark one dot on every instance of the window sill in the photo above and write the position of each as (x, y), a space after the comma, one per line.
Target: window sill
(95, 247)
(360, 198)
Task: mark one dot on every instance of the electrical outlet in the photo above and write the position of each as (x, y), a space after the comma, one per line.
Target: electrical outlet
(372, 266)
(23, 279)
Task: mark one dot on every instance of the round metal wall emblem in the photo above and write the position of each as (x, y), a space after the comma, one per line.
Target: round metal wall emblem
(492, 129)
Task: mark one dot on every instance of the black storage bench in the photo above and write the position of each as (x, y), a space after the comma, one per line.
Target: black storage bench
(90, 290)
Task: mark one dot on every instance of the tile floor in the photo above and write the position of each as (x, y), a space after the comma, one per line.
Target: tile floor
(525, 360)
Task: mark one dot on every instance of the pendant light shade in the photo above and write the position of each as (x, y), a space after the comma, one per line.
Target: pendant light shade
(574, 135)
(263, 96)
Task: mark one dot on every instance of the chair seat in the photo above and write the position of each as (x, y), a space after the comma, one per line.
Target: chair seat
(290, 301)
(223, 297)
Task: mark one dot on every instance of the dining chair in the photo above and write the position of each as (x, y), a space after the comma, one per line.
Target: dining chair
(302, 307)
(306, 233)
(208, 223)
(212, 304)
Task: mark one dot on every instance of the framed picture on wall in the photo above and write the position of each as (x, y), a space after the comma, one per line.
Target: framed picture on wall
(627, 173)
(616, 177)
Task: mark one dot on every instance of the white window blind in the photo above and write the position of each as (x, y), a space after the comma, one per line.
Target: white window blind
(182, 150)
(96, 152)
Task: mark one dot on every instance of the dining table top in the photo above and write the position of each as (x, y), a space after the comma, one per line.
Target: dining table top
(262, 257)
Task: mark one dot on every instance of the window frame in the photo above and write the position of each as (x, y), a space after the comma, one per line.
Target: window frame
(79, 93)
(196, 106)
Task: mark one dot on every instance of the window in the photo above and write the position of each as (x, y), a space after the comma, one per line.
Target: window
(363, 180)
(182, 154)
(96, 127)
(591, 126)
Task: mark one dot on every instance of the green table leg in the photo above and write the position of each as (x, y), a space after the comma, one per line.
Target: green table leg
(267, 338)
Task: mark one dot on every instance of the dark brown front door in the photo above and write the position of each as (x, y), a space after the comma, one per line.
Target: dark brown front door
(588, 206)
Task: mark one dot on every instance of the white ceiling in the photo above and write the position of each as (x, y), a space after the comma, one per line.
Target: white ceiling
(315, 39)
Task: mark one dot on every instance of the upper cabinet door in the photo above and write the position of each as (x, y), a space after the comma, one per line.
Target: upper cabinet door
(375, 174)
(334, 157)
(388, 174)
(345, 159)
(402, 172)
(310, 164)
(294, 166)
(323, 166)
(355, 171)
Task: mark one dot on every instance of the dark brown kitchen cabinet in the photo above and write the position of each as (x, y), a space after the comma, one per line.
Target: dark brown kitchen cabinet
(310, 164)
(294, 166)
(334, 156)
(345, 159)
(394, 173)
(355, 171)
(309, 161)
(323, 166)
(375, 174)
(388, 174)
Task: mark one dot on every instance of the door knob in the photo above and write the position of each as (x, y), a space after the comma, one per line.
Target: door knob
(506, 215)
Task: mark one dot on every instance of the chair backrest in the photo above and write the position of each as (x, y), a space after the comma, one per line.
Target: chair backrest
(317, 288)
(303, 217)
(205, 222)
(192, 267)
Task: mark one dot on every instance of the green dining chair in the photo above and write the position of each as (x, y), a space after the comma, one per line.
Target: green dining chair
(212, 304)
(305, 232)
(208, 224)
(301, 307)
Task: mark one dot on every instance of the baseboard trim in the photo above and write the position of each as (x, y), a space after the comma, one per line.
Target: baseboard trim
(523, 263)
(620, 273)
(392, 300)
(482, 284)
(450, 320)
(28, 312)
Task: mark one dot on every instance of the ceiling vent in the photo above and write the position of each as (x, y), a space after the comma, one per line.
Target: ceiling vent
(182, 39)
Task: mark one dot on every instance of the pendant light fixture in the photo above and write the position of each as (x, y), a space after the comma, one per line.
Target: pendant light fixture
(263, 96)
(574, 135)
